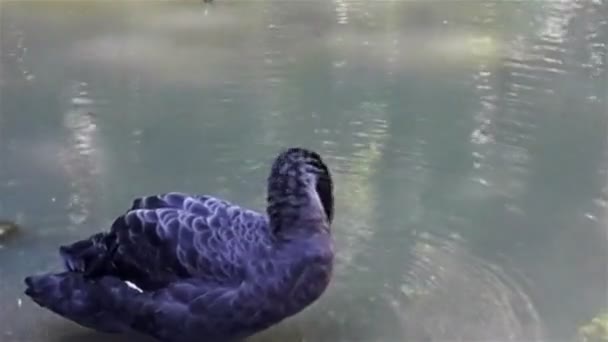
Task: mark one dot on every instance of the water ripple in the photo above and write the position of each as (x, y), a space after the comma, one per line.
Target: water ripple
(451, 294)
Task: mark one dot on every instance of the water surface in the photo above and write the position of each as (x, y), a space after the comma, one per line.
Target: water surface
(468, 141)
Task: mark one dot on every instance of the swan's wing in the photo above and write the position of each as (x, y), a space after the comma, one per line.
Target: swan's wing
(208, 240)
(200, 204)
(169, 237)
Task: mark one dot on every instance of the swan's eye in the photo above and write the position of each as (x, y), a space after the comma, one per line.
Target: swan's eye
(315, 168)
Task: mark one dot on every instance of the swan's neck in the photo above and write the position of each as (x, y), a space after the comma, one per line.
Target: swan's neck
(294, 206)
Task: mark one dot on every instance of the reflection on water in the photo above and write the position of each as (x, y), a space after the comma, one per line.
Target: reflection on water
(483, 122)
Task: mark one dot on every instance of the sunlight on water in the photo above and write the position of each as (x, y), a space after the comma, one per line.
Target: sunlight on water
(342, 11)
(81, 157)
(368, 127)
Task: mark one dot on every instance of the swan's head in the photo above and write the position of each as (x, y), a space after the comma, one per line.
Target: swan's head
(298, 171)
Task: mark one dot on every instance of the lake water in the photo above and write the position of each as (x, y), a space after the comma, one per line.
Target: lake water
(468, 141)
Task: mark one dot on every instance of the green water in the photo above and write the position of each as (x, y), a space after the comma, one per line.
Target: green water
(468, 142)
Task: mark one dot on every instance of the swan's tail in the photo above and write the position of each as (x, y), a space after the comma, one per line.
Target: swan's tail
(102, 304)
(89, 256)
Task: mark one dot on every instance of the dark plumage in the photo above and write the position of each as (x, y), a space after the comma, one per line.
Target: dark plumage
(203, 268)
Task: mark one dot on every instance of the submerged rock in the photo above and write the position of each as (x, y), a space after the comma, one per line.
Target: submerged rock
(7, 229)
